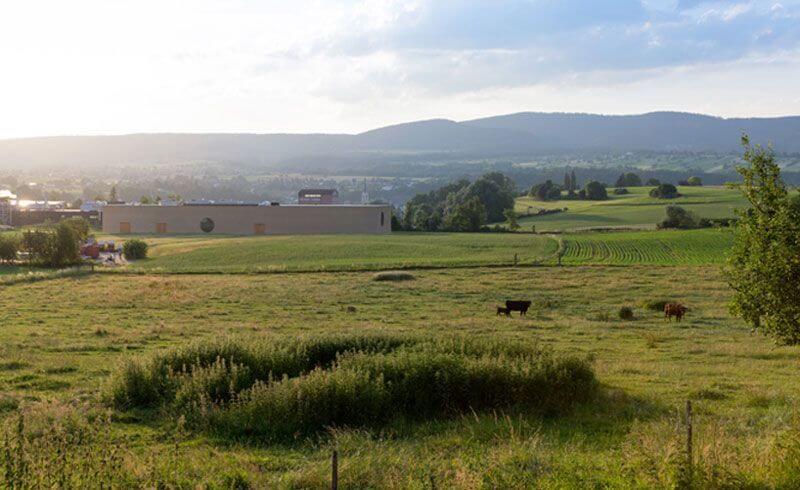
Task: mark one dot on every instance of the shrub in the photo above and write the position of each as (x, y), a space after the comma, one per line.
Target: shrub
(626, 313)
(665, 191)
(9, 246)
(135, 249)
(694, 181)
(653, 182)
(295, 388)
(679, 218)
(545, 191)
(393, 276)
(621, 191)
(655, 304)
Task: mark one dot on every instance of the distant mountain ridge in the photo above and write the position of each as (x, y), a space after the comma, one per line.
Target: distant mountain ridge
(525, 133)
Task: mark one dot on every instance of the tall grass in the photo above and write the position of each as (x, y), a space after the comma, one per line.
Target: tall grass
(290, 388)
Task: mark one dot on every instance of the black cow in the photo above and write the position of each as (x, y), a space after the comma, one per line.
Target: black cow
(520, 306)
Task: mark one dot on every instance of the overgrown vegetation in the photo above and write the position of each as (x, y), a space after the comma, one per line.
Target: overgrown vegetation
(281, 390)
(665, 191)
(55, 245)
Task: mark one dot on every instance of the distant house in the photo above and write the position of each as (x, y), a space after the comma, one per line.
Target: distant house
(318, 196)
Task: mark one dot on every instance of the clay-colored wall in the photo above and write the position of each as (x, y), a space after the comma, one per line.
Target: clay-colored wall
(241, 220)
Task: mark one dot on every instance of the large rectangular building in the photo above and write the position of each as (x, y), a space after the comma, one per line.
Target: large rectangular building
(245, 219)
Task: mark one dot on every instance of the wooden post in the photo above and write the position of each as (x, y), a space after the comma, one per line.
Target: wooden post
(689, 458)
(334, 470)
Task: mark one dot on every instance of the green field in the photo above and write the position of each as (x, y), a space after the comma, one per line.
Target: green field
(342, 252)
(62, 339)
(634, 210)
(673, 247)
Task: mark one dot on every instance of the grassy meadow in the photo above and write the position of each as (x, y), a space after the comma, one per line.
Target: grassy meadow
(64, 340)
(634, 210)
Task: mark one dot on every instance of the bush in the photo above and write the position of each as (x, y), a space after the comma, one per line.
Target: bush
(694, 181)
(393, 276)
(653, 182)
(665, 191)
(9, 246)
(626, 313)
(295, 388)
(135, 249)
(620, 191)
(545, 191)
(656, 304)
(679, 218)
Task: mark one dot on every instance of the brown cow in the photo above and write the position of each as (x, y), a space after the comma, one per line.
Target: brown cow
(674, 309)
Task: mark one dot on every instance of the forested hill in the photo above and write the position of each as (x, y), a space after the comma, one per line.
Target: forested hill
(501, 136)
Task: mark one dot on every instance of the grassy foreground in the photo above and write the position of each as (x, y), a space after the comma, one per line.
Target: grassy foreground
(62, 340)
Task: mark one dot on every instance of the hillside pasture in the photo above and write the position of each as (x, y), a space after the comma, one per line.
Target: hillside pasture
(64, 339)
(634, 210)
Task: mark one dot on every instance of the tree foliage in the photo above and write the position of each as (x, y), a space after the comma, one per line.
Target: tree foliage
(665, 191)
(511, 218)
(763, 268)
(595, 191)
(135, 249)
(545, 191)
(629, 179)
(52, 246)
(449, 206)
(9, 245)
(680, 218)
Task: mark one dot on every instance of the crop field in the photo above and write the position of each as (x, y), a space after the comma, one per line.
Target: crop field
(672, 247)
(634, 210)
(68, 345)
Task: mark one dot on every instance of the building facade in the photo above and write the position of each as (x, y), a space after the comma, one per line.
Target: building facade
(247, 219)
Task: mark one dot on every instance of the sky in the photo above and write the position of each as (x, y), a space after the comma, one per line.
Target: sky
(112, 67)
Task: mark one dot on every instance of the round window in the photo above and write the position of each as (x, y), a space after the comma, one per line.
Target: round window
(207, 225)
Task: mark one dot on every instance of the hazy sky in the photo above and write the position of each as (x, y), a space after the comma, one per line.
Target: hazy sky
(108, 66)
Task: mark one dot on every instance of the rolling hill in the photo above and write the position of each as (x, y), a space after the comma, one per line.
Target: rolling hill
(501, 136)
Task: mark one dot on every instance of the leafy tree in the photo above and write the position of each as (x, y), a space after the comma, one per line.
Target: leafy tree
(495, 191)
(470, 215)
(80, 226)
(665, 191)
(678, 217)
(595, 191)
(573, 180)
(9, 245)
(694, 181)
(545, 191)
(511, 217)
(54, 246)
(112, 196)
(763, 267)
(629, 179)
(653, 182)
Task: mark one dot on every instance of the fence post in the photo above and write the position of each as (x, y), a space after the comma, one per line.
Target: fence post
(334, 470)
(689, 458)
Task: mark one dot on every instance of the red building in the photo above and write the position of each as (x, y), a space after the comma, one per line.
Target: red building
(318, 196)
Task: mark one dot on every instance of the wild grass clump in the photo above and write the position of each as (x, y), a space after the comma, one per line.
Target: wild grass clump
(286, 389)
(393, 276)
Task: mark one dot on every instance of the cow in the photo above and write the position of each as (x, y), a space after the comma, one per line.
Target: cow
(674, 309)
(502, 310)
(520, 306)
